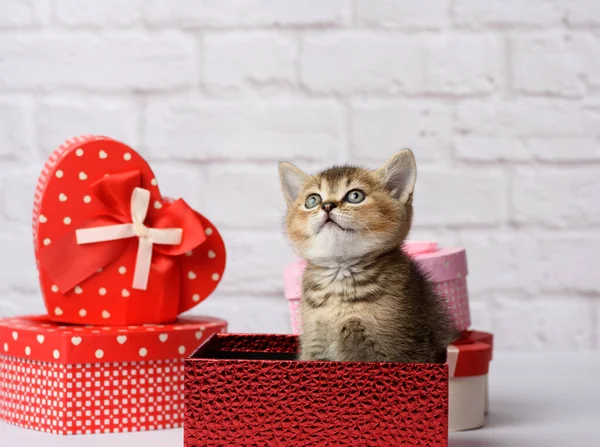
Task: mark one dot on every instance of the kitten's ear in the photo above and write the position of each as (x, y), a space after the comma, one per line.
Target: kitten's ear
(399, 175)
(291, 179)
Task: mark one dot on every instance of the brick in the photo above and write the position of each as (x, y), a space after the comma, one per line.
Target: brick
(248, 59)
(255, 262)
(247, 13)
(381, 128)
(23, 13)
(567, 263)
(444, 237)
(105, 13)
(284, 129)
(18, 303)
(582, 12)
(505, 13)
(527, 118)
(498, 261)
(16, 130)
(482, 314)
(186, 181)
(462, 196)
(565, 149)
(19, 184)
(464, 64)
(482, 148)
(427, 14)
(491, 148)
(564, 64)
(60, 118)
(258, 199)
(344, 62)
(114, 61)
(359, 61)
(249, 314)
(17, 263)
(557, 323)
(556, 197)
(597, 320)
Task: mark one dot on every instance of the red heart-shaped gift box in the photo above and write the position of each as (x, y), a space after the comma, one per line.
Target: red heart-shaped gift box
(122, 271)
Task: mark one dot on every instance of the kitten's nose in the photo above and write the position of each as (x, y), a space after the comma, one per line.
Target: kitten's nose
(328, 206)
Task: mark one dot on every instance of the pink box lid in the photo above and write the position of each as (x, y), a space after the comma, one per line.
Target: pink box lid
(443, 264)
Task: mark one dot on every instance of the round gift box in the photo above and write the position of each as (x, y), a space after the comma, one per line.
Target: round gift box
(446, 267)
(488, 338)
(468, 365)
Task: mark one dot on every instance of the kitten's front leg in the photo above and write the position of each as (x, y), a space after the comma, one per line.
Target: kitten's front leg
(312, 350)
(355, 345)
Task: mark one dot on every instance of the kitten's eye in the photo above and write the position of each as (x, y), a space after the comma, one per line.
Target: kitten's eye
(312, 201)
(355, 196)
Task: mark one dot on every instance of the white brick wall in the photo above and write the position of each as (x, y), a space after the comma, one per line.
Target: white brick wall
(500, 101)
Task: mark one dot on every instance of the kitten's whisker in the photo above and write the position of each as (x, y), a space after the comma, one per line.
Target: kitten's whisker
(354, 220)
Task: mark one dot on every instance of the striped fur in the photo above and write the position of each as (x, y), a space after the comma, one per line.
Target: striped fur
(363, 299)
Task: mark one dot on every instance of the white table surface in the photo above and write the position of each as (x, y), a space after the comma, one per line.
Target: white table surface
(538, 399)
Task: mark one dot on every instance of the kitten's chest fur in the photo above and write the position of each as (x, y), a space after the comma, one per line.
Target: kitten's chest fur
(333, 295)
(382, 310)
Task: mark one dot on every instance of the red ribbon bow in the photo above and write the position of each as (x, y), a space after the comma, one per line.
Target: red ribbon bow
(68, 263)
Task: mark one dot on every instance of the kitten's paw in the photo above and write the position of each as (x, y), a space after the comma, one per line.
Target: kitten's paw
(353, 329)
(311, 355)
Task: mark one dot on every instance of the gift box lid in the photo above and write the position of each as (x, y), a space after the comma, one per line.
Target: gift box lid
(442, 264)
(110, 249)
(36, 337)
(469, 355)
(484, 337)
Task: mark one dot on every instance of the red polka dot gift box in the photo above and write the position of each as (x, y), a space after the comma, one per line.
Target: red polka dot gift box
(70, 379)
(117, 264)
(110, 249)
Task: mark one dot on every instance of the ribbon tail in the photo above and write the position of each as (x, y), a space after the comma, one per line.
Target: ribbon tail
(140, 200)
(103, 234)
(142, 264)
(166, 236)
(452, 359)
(165, 283)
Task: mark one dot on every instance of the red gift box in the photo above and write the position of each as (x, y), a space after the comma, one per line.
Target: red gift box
(110, 249)
(67, 379)
(249, 390)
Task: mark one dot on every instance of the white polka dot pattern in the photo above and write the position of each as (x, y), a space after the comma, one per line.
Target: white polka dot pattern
(91, 398)
(457, 299)
(65, 201)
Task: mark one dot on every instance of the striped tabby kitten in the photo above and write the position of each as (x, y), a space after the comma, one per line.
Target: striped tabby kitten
(363, 299)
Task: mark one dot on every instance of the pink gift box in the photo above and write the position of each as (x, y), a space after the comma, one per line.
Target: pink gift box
(447, 268)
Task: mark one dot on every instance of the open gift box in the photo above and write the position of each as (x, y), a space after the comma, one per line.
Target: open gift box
(68, 379)
(251, 390)
(446, 267)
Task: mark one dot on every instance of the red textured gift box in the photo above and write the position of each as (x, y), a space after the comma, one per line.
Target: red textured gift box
(69, 379)
(249, 390)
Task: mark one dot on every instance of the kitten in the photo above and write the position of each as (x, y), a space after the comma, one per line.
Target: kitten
(363, 298)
